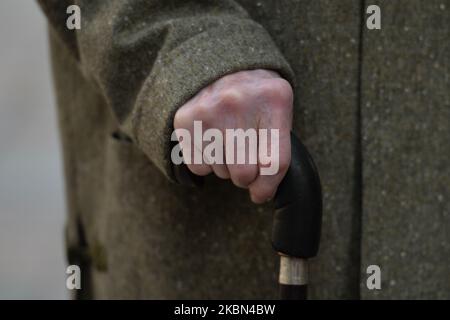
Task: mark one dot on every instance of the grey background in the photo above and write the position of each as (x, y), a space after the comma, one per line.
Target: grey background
(32, 209)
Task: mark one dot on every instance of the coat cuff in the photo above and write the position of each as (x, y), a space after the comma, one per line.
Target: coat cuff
(189, 67)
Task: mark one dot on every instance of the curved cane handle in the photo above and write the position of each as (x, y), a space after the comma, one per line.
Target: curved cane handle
(297, 218)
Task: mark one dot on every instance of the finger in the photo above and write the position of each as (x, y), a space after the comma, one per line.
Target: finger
(243, 171)
(198, 165)
(265, 186)
(213, 152)
(274, 157)
(221, 171)
(200, 168)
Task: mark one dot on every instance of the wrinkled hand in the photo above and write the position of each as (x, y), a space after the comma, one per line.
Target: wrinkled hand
(258, 99)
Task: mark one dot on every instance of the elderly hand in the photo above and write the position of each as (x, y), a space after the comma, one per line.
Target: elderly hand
(257, 99)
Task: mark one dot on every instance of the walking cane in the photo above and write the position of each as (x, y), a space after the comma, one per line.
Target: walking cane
(297, 219)
(297, 222)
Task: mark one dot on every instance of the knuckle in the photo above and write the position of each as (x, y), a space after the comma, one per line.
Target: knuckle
(179, 119)
(230, 97)
(202, 112)
(207, 113)
(201, 109)
(284, 86)
(279, 91)
(185, 117)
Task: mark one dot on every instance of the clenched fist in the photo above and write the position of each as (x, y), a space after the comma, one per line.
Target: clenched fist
(256, 99)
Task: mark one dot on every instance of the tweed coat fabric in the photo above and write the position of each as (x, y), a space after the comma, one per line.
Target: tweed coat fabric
(371, 105)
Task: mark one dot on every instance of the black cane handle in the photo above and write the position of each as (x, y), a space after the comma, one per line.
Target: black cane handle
(297, 218)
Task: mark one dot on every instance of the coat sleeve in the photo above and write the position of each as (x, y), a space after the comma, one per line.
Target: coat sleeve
(149, 57)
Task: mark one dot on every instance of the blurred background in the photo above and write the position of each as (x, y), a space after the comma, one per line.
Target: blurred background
(32, 209)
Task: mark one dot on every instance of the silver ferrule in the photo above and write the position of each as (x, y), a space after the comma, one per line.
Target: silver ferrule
(293, 271)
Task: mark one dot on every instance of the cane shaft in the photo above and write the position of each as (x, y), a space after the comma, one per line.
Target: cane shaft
(293, 278)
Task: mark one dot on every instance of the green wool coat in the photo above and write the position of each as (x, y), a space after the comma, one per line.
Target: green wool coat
(373, 106)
